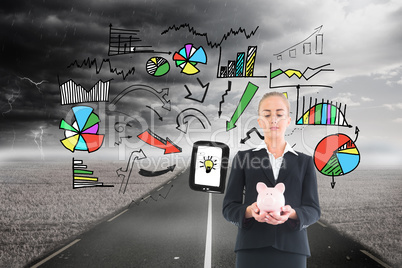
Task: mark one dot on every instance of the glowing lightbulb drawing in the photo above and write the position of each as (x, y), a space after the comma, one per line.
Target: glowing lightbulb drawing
(208, 164)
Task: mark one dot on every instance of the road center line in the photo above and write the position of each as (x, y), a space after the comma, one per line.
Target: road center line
(117, 215)
(55, 254)
(375, 258)
(208, 244)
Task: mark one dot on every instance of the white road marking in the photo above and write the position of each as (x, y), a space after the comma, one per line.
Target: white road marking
(55, 254)
(117, 215)
(322, 224)
(375, 258)
(160, 189)
(208, 244)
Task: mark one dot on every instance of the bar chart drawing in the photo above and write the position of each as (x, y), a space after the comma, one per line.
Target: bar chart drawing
(126, 41)
(306, 45)
(321, 113)
(242, 66)
(82, 177)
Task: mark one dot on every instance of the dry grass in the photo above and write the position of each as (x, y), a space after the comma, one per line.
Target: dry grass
(40, 210)
(367, 206)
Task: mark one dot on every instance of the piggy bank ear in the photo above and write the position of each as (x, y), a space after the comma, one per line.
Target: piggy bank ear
(280, 187)
(261, 187)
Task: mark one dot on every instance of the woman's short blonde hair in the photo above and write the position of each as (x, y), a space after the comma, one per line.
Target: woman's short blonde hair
(276, 94)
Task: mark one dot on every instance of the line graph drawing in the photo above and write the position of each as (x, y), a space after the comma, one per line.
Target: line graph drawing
(306, 75)
(124, 41)
(160, 94)
(144, 199)
(242, 66)
(210, 43)
(89, 63)
(73, 93)
(197, 93)
(320, 113)
(223, 98)
(292, 50)
(182, 122)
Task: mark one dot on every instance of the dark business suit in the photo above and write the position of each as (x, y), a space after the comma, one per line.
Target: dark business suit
(298, 174)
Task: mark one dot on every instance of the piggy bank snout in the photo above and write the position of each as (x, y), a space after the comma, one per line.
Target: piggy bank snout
(268, 200)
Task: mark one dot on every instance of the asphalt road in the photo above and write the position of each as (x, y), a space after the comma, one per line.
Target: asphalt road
(169, 228)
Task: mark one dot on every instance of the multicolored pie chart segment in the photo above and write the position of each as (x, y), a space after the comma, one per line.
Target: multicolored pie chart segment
(82, 134)
(157, 66)
(336, 155)
(188, 57)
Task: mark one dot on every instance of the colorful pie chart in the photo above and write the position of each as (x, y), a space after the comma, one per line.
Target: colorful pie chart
(188, 57)
(82, 134)
(336, 155)
(157, 66)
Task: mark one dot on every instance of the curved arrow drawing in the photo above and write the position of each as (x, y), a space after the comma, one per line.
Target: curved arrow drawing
(127, 172)
(152, 139)
(160, 94)
(198, 93)
(148, 173)
(182, 123)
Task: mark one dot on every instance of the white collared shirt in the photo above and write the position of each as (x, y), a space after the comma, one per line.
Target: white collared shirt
(276, 163)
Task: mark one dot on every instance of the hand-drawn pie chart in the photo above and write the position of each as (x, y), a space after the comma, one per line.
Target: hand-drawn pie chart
(157, 66)
(188, 57)
(336, 155)
(82, 134)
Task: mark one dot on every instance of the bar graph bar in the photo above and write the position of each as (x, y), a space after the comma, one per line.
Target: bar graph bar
(82, 177)
(319, 44)
(242, 66)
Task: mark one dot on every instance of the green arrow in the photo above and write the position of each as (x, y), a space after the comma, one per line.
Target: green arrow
(248, 95)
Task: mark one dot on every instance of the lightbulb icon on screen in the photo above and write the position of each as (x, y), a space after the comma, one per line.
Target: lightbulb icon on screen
(208, 164)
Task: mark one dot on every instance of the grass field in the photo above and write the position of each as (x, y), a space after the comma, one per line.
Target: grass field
(40, 210)
(366, 205)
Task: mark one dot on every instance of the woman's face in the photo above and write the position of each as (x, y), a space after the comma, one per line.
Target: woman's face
(273, 117)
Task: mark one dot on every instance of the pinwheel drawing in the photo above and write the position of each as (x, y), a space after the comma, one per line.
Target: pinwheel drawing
(82, 134)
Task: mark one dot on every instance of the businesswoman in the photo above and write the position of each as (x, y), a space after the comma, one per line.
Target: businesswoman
(263, 239)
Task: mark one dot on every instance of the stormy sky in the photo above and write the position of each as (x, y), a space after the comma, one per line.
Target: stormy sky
(41, 40)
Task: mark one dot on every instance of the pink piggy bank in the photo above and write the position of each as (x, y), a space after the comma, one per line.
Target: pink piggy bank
(270, 199)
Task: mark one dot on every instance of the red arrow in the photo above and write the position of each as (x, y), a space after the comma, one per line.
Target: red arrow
(152, 139)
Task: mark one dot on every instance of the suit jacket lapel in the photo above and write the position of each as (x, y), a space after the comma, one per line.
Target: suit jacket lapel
(285, 167)
(266, 166)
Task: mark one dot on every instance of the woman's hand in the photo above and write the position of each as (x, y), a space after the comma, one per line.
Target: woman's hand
(279, 218)
(253, 211)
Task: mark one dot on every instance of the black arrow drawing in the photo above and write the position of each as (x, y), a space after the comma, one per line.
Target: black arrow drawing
(148, 173)
(333, 182)
(223, 100)
(198, 93)
(254, 129)
(160, 117)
